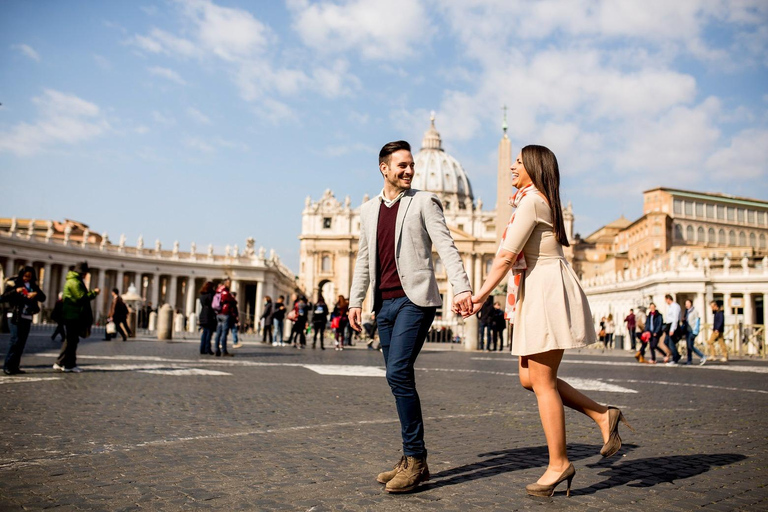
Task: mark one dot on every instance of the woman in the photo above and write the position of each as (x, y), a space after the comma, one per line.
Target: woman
(24, 295)
(549, 310)
(298, 331)
(609, 330)
(207, 319)
(319, 321)
(340, 311)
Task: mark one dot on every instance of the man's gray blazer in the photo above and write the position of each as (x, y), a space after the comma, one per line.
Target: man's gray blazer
(420, 224)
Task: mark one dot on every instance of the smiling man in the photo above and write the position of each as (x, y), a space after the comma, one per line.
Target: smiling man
(397, 232)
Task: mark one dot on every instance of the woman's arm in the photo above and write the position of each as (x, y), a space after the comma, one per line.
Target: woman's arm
(501, 265)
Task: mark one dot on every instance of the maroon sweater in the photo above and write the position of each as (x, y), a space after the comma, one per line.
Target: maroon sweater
(390, 286)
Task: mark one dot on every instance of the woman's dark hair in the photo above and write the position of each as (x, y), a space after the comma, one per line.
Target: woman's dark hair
(207, 287)
(115, 291)
(541, 165)
(391, 147)
(31, 270)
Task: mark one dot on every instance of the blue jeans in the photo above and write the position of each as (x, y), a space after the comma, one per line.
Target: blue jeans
(689, 344)
(19, 335)
(233, 328)
(222, 328)
(278, 330)
(672, 344)
(486, 334)
(632, 338)
(205, 340)
(403, 328)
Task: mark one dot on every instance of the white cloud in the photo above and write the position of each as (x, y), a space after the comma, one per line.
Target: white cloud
(27, 51)
(163, 119)
(744, 158)
(199, 144)
(198, 116)
(161, 42)
(63, 118)
(168, 74)
(102, 62)
(378, 29)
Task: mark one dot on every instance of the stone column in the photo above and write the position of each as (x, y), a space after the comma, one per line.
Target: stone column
(171, 298)
(48, 285)
(190, 302)
(707, 316)
(749, 317)
(119, 281)
(477, 280)
(10, 269)
(155, 290)
(102, 298)
(727, 308)
(63, 276)
(259, 304)
(137, 282)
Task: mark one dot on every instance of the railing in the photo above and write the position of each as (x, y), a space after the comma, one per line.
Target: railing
(740, 339)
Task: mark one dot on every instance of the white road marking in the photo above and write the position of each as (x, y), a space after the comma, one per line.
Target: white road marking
(181, 372)
(14, 380)
(13, 464)
(596, 385)
(705, 386)
(347, 370)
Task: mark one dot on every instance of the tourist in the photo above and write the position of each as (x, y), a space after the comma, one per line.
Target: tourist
(718, 327)
(298, 330)
(610, 327)
(319, 321)
(631, 326)
(207, 318)
(266, 320)
(57, 315)
(485, 318)
(672, 329)
(234, 322)
(405, 292)
(654, 326)
(118, 314)
(693, 326)
(278, 318)
(601, 332)
(78, 316)
(370, 326)
(499, 323)
(339, 319)
(223, 303)
(549, 310)
(24, 297)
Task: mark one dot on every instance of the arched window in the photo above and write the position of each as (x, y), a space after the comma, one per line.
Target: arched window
(700, 235)
(711, 236)
(721, 237)
(731, 237)
(752, 240)
(689, 234)
(325, 264)
(742, 239)
(678, 232)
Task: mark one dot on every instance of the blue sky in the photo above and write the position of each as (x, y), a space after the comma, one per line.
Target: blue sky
(212, 121)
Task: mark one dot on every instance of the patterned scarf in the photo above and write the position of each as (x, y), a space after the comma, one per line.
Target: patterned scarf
(517, 273)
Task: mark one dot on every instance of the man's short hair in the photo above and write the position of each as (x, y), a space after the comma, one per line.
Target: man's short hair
(668, 296)
(631, 310)
(652, 304)
(714, 303)
(385, 155)
(115, 291)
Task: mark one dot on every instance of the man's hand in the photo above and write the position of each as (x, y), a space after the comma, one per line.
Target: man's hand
(355, 315)
(462, 302)
(97, 291)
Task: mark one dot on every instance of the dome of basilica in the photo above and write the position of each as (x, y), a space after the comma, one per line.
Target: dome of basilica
(437, 171)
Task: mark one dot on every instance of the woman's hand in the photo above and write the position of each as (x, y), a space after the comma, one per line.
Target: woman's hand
(477, 304)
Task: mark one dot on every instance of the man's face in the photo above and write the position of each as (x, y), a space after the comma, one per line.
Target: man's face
(713, 306)
(669, 301)
(688, 304)
(399, 172)
(653, 307)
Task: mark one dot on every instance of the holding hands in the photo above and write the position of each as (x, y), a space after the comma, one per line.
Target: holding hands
(463, 304)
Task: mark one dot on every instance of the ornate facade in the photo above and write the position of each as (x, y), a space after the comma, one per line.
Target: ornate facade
(160, 276)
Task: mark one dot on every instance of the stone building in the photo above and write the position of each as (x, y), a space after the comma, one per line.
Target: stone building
(692, 245)
(159, 275)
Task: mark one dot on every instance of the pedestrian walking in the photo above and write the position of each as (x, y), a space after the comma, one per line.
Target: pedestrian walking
(693, 324)
(499, 324)
(672, 329)
(234, 322)
(405, 292)
(654, 326)
(718, 328)
(339, 321)
(549, 310)
(631, 322)
(24, 297)
(78, 316)
(278, 319)
(57, 315)
(610, 327)
(319, 321)
(223, 304)
(207, 319)
(298, 330)
(485, 320)
(266, 319)
(118, 314)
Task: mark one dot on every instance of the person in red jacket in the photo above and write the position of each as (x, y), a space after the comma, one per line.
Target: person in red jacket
(224, 304)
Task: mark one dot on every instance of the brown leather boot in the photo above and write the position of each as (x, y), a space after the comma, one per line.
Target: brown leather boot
(412, 472)
(386, 476)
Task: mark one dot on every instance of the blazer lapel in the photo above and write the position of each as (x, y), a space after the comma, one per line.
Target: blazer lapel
(405, 202)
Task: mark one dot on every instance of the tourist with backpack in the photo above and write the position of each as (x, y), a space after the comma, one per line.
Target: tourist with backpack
(223, 304)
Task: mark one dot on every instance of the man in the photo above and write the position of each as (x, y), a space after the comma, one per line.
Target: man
(78, 316)
(631, 326)
(693, 323)
(266, 317)
(654, 326)
(278, 317)
(398, 229)
(224, 304)
(499, 323)
(118, 314)
(718, 326)
(234, 322)
(672, 329)
(485, 317)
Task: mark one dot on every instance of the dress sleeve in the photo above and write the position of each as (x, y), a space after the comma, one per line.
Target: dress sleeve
(525, 221)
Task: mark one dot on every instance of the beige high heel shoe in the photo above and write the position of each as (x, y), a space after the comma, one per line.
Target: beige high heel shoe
(549, 490)
(614, 441)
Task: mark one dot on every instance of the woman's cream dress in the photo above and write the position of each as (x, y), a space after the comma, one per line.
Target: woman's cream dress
(552, 309)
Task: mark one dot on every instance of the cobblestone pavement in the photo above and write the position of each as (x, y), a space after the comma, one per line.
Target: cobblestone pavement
(154, 426)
